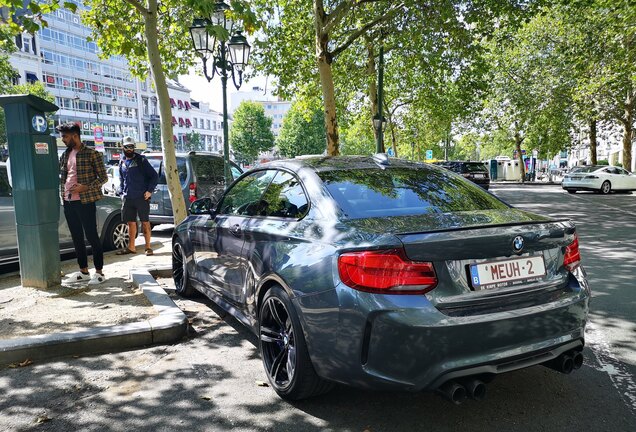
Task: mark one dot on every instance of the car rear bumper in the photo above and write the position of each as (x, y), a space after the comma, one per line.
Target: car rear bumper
(579, 185)
(404, 343)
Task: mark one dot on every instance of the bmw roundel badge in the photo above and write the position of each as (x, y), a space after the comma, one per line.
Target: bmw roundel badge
(517, 244)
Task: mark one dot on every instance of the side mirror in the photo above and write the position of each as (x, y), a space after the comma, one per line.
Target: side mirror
(202, 206)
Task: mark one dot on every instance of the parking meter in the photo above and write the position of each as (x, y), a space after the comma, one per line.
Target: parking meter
(35, 178)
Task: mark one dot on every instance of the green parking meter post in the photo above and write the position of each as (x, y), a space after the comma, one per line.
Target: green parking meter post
(35, 178)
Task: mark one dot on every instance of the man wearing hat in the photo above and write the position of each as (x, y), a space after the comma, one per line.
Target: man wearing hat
(138, 180)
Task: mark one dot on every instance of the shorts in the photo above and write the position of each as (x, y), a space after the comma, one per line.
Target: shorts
(133, 207)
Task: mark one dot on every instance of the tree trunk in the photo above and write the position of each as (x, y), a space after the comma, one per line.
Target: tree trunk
(323, 56)
(628, 131)
(522, 166)
(373, 88)
(165, 113)
(593, 141)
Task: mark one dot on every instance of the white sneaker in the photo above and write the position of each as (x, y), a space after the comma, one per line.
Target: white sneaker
(78, 276)
(96, 279)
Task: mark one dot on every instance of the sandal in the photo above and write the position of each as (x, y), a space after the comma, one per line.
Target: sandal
(125, 252)
(149, 252)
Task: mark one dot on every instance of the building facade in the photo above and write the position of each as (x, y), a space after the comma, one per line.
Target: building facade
(101, 94)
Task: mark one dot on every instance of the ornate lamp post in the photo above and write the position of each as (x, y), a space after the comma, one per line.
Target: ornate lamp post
(228, 57)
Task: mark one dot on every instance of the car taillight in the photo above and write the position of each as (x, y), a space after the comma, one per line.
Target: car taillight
(572, 257)
(386, 271)
(193, 192)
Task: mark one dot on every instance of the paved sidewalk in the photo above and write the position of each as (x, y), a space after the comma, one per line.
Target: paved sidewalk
(80, 320)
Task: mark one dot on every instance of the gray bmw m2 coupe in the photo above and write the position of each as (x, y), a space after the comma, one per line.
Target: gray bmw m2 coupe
(385, 274)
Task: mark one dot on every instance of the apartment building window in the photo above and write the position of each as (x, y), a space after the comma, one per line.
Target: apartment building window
(31, 77)
(144, 102)
(208, 124)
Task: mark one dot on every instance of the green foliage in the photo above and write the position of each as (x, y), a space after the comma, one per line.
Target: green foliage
(155, 138)
(251, 132)
(303, 131)
(357, 136)
(192, 141)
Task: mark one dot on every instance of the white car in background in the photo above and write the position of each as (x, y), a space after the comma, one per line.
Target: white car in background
(111, 187)
(599, 178)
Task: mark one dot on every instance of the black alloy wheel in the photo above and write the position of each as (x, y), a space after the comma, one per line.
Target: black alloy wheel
(180, 271)
(283, 349)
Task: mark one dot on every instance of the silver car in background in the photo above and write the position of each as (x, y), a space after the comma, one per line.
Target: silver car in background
(113, 232)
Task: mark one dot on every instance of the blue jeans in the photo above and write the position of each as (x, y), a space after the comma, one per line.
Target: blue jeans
(82, 220)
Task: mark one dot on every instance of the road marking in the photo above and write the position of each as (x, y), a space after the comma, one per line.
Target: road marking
(608, 363)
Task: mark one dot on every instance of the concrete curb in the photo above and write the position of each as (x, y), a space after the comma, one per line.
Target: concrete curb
(170, 326)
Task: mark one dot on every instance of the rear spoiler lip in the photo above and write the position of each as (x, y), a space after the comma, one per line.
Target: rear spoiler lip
(472, 227)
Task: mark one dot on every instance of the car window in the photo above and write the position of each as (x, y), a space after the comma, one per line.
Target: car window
(208, 169)
(473, 167)
(157, 164)
(401, 191)
(236, 173)
(284, 197)
(244, 198)
(5, 188)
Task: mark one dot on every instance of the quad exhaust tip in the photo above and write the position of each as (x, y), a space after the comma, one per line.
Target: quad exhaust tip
(566, 362)
(457, 392)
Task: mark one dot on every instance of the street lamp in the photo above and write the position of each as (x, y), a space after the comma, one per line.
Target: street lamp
(226, 56)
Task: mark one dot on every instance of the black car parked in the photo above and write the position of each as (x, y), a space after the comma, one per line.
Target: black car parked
(477, 172)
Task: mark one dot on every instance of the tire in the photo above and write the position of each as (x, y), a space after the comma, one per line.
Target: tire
(182, 284)
(284, 351)
(606, 187)
(116, 236)
(572, 191)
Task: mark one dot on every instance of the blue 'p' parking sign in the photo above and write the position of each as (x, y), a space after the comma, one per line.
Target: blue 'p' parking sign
(39, 123)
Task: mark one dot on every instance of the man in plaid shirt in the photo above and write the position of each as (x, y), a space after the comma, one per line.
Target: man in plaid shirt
(82, 175)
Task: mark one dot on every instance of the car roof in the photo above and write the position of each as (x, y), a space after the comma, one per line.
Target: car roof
(331, 163)
(184, 154)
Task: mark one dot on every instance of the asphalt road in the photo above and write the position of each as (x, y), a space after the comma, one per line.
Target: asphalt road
(213, 380)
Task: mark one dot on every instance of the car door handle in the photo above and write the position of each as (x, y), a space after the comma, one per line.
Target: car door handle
(235, 229)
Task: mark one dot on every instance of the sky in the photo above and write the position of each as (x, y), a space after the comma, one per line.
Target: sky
(210, 92)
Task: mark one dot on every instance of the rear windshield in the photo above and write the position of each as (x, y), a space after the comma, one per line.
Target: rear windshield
(208, 169)
(374, 192)
(585, 169)
(157, 164)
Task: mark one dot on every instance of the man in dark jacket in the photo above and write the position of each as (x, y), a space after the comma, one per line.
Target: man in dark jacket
(138, 181)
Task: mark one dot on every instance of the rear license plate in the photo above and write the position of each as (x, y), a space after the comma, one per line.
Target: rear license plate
(479, 176)
(497, 274)
(154, 206)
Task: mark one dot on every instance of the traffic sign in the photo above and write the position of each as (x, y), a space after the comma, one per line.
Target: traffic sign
(429, 154)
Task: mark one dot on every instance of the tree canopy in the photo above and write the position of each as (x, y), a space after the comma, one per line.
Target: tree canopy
(251, 132)
(302, 132)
